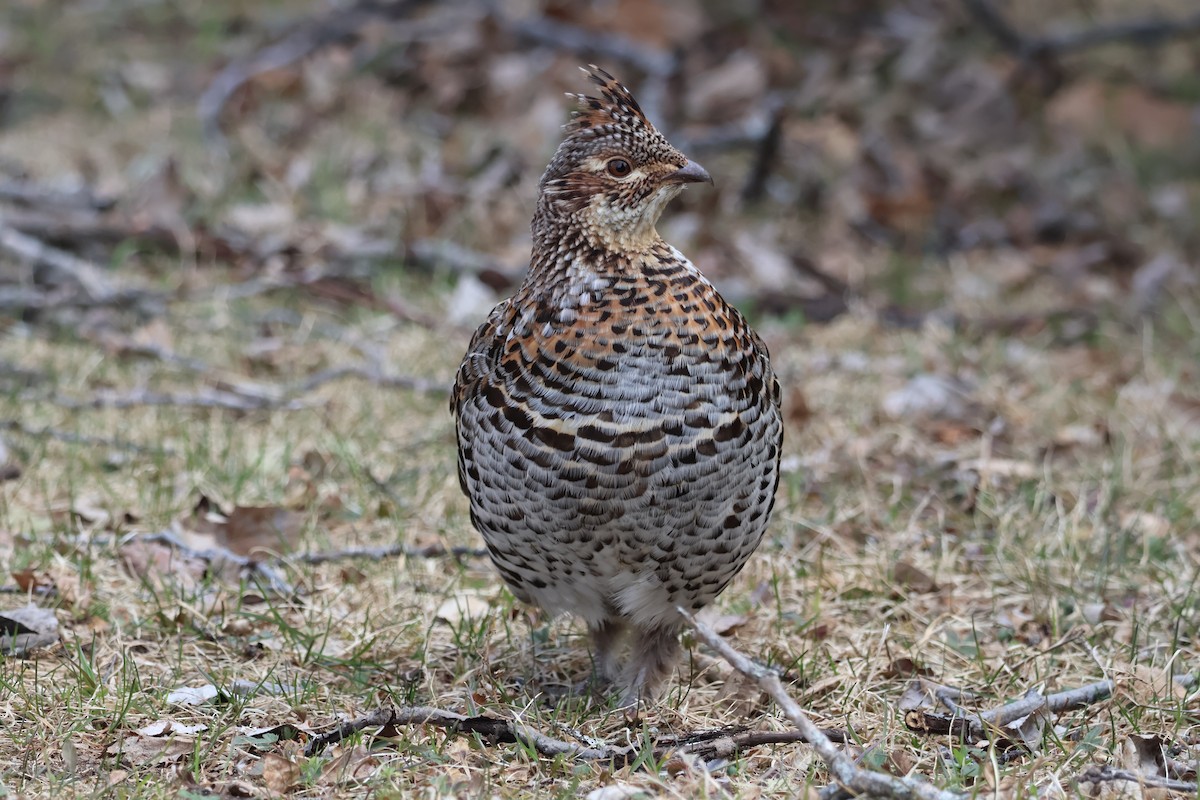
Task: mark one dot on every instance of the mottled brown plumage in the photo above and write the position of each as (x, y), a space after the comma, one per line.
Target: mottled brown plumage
(618, 421)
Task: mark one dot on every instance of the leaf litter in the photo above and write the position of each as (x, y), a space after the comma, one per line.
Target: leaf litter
(990, 433)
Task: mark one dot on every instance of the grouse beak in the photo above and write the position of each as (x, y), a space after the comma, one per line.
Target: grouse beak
(691, 172)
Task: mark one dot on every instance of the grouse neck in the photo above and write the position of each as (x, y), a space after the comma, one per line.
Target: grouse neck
(559, 239)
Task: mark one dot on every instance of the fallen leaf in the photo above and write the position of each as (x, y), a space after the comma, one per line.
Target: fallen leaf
(30, 581)
(1002, 468)
(1145, 755)
(797, 409)
(149, 750)
(258, 530)
(465, 607)
(166, 727)
(722, 624)
(1146, 524)
(264, 738)
(617, 791)
(156, 561)
(913, 578)
(927, 396)
(192, 695)
(25, 629)
(353, 765)
(279, 773)
(905, 667)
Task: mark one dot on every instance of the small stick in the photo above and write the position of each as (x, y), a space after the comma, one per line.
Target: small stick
(851, 779)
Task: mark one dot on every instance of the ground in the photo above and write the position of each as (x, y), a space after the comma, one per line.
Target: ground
(991, 466)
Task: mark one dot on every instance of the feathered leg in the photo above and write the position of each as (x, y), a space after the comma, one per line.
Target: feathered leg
(655, 652)
(606, 639)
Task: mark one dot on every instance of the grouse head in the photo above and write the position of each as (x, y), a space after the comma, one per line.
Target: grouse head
(613, 174)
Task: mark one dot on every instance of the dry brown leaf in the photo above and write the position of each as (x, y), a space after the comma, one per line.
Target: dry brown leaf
(721, 622)
(29, 580)
(147, 750)
(258, 530)
(279, 773)
(796, 407)
(156, 562)
(913, 578)
(1146, 524)
(1145, 755)
(353, 765)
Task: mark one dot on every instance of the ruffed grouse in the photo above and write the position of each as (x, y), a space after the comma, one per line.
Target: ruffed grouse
(618, 421)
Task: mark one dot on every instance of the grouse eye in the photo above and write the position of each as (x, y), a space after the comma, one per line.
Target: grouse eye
(619, 168)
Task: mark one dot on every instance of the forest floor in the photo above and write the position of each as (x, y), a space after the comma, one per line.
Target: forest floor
(230, 519)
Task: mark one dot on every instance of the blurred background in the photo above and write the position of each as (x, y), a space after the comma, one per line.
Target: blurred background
(244, 244)
(1006, 164)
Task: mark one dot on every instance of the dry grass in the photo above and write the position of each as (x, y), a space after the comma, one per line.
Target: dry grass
(1043, 534)
(1067, 563)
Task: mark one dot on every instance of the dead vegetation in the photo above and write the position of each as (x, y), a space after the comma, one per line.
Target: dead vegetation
(242, 247)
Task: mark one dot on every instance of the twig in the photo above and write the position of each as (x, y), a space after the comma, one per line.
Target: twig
(89, 228)
(32, 194)
(1107, 774)
(391, 551)
(17, 426)
(83, 274)
(201, 398)
(706, 744)
(429, 254)
(595, 44)
(368, 373)
(339, 25)
(851, 780)
(274, 582)
(1143, 32)
(1071, 699)
(765, 155)
(500, 730)
(969, 725)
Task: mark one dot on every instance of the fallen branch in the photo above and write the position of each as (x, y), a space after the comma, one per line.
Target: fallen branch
(431, 254)
(367, 373)
(1095, 778)
(79, 228)
(851, 780)
(271, 580)
(201, 398)
(706, 745)
(606, 47)
(339, 25)
(85, 275)
(28, 193)
(1142, 32)
(391, 551)
(78, 438)
(974, 726)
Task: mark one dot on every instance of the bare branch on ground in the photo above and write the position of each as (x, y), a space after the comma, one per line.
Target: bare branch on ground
(310, 35)
(71, 437)
(1107, 780)
(272, 581)
(85, 275)
(29, 193)
(970, 725)
(391, 551)
(850, 779)
(1143, 32)
(705, 744)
